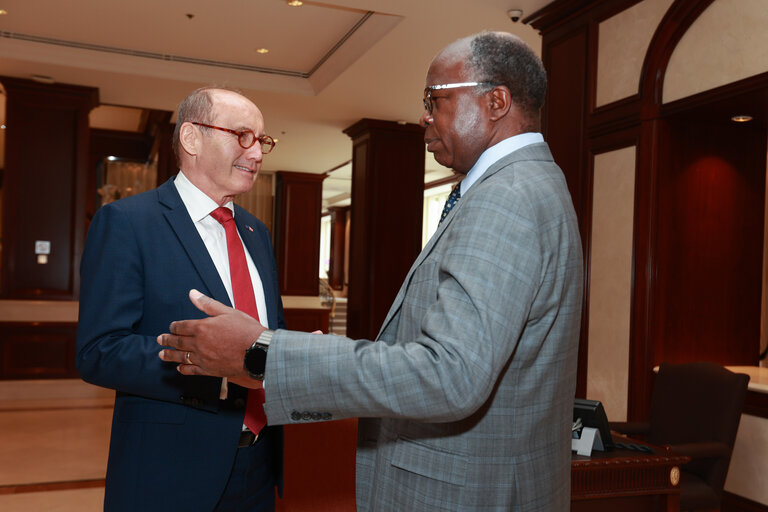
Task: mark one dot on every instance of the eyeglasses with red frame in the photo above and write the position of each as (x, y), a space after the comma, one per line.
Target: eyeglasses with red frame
(246, 138)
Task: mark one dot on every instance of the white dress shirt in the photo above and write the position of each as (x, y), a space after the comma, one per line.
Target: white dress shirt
(495, 153)
(214, 237)
(199, 206)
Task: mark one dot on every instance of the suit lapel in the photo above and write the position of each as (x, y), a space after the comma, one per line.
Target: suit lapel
(260, 256)
(538, 151)
(186, 233)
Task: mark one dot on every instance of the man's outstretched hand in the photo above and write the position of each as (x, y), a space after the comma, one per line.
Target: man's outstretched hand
(212, 346)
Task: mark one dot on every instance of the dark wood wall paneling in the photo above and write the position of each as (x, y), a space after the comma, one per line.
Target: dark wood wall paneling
(298, 204)
(46, 170)
(386, 216)
(563, 122)
(308, 320)
(32, 350)
(688, 303)
(709, 253)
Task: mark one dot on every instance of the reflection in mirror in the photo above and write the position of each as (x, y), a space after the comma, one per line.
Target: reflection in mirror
(117, 178)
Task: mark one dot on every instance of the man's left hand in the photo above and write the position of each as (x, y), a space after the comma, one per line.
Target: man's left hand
(211, 346)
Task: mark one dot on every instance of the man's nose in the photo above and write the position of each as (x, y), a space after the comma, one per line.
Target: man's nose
(425, 119)
(255, 152)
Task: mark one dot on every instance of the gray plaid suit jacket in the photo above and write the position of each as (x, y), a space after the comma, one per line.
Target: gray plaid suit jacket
(466, 396)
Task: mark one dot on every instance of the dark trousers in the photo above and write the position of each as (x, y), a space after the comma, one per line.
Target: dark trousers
(251, 485)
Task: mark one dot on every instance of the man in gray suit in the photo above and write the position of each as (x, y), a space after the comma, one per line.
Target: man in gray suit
(466, 396)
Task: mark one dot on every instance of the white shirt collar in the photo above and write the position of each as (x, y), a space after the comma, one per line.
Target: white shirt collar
(495, 153)
(198, 204)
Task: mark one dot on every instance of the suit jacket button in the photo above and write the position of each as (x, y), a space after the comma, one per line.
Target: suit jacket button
(183, 399)
(295, 415)
(327, 416)
(239, 403)
(306, 416)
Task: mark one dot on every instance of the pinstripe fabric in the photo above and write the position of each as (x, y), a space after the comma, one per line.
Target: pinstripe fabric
(473, 373)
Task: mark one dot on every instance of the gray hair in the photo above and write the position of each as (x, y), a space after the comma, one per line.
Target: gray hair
(197, 107)
(504, 59)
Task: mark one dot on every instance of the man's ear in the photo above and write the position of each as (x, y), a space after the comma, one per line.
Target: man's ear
(501, 102)
(189, 138)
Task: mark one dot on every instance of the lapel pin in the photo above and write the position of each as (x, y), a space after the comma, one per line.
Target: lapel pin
(249, 228)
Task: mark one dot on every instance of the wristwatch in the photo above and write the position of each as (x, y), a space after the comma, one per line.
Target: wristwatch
(256, 357)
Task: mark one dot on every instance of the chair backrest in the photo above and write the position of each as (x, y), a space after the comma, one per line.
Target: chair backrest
(698, 402)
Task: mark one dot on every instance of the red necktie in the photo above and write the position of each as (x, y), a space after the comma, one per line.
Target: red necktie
(245, 301)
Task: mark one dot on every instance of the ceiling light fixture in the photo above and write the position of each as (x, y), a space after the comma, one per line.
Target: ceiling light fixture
(741, 119)
(262, 51)
(3, 12)
(43, 79)
(295, 3)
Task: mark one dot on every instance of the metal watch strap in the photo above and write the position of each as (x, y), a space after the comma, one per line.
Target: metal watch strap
(265, 338)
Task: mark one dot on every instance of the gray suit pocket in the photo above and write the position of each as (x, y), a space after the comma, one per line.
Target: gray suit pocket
(430, 462)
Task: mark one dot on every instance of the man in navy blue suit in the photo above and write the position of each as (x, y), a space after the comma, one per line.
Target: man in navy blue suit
(179, 443)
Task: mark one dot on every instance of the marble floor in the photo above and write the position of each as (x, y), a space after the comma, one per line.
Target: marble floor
(53, 445)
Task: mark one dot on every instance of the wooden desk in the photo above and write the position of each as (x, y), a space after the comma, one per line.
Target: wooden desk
(626, 480)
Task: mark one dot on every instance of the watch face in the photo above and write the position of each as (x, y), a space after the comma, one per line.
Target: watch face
(255, 361)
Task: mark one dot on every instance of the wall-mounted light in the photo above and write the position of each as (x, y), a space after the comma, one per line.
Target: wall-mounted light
(3, 12)
(741, 119)
(295, 3)
(262, 50)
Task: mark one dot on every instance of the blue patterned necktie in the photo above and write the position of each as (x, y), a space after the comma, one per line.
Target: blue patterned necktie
(453, 198)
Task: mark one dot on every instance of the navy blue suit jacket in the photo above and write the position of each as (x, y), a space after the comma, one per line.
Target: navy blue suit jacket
(173, 441)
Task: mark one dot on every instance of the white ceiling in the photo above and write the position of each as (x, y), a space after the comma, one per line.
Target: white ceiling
(328, 66)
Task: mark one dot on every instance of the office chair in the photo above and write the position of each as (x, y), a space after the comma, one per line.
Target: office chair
(695, 409)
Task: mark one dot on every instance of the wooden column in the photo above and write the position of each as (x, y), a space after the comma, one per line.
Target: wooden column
(385, 232)
(339, 216)
(44, 188)
(166, 160)
(298, 204)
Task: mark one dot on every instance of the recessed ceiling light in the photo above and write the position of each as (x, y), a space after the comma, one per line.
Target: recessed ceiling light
(295, 3)
(262, 50)
(43, 79)
(741, 119)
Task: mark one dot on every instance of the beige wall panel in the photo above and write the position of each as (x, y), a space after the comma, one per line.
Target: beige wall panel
(259, 199)
(728, 42)
(749, 462)
(623, 43)
(611, 280)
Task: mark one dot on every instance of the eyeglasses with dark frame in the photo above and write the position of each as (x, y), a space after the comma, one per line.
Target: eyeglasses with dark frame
(246, 138)
(428, 91)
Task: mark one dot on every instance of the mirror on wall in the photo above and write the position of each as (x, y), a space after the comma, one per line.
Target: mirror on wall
(117, 178)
